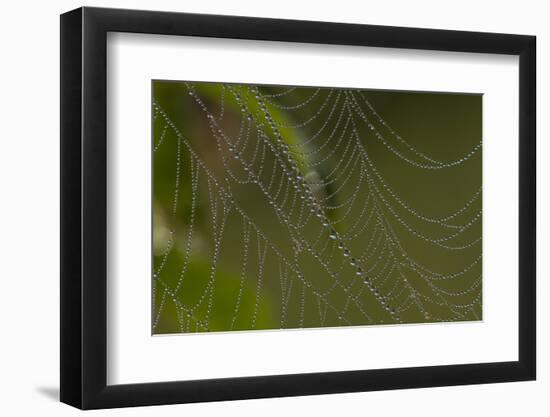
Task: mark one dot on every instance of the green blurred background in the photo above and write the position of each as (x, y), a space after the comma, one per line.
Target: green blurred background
(444, 126)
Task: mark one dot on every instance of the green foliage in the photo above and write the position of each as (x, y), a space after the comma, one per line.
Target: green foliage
(210, 231)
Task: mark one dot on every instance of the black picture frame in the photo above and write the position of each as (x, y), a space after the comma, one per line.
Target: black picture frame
(84, 207)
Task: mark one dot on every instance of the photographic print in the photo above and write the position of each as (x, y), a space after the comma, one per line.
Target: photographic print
(285, 207)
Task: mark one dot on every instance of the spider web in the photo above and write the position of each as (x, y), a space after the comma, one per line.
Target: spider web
(284, 207)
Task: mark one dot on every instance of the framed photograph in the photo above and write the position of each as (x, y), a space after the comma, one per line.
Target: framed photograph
(257, 208)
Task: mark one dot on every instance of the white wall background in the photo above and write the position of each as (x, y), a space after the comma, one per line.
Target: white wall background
(29, 226)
